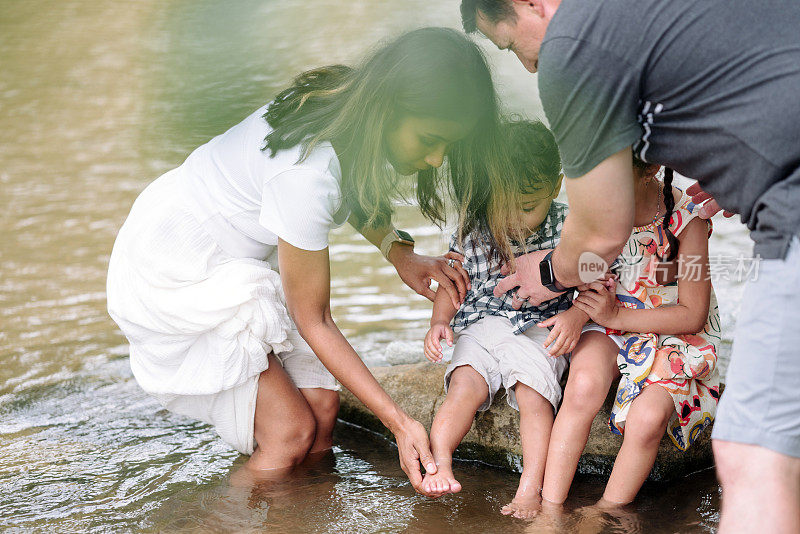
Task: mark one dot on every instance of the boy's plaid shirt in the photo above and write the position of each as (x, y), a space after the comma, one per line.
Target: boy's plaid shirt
(480, 300)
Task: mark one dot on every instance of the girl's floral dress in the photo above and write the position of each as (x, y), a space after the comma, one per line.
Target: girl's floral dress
(684, 365)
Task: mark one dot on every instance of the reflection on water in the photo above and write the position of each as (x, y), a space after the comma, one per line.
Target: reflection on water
(98, 98)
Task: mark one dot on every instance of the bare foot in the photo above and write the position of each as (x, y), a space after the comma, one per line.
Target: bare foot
(442, 482)
(526, 504)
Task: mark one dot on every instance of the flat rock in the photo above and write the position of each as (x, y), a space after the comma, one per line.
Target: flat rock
(494, 435)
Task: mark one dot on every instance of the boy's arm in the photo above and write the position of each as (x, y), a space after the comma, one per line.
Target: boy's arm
(443, 309)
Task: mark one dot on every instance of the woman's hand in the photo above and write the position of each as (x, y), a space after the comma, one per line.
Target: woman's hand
(414, 449)
(433, 346)
(710, 208)
(417, 271)
(566, 331)
(600, 302)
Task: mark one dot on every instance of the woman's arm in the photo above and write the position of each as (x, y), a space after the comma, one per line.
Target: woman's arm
(416, 270)
(306, 282)
(688, 316)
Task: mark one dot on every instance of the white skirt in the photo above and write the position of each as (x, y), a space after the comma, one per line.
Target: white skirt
(201, 320)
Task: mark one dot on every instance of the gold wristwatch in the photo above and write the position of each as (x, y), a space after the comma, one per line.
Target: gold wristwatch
(395, 236)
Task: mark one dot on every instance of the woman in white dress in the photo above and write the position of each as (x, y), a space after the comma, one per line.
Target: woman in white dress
(220, 277)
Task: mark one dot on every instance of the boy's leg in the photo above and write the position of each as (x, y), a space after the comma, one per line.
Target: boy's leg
(593, 367)
(535, 423)
(644, 427)
(468, 390)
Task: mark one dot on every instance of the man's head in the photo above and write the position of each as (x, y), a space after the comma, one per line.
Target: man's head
(515, 25)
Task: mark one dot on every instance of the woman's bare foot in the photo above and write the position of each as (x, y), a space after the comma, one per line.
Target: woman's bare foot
(526, 503)
(442, 482)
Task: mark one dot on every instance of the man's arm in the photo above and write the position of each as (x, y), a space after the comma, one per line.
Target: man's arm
(600, 219)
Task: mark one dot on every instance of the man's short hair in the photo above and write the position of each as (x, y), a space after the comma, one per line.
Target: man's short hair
(494, 10)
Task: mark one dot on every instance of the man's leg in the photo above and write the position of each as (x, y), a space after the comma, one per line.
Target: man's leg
(757, 431)
(760, 489)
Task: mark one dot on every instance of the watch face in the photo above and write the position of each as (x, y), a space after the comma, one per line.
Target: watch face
(546, 272)
(405, 236)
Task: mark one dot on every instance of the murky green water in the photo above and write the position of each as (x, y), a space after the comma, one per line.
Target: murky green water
(97, 98)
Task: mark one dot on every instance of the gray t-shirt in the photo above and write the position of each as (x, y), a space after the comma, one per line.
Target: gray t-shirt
(710, 88)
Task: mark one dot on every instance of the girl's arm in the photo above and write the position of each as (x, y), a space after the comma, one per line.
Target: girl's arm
(688, 316)
(416, 270)
(306, 282)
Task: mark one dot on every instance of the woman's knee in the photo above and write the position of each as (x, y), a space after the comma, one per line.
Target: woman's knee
(324, 404)
(293, 436)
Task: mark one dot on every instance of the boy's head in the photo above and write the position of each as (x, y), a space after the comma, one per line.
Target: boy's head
(536, 168)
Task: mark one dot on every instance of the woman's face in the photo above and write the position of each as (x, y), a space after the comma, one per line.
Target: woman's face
(417, 144)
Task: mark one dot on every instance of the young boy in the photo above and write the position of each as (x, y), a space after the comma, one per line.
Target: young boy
(498, 345)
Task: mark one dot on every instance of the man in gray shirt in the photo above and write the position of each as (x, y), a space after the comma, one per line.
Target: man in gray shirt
(710, 88)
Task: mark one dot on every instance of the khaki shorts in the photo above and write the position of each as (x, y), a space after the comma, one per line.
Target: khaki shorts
(504, 359)
(761, 404)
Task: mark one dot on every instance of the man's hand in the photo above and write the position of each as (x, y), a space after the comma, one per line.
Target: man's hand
(527, 279)
(710, 208)
(417, 271)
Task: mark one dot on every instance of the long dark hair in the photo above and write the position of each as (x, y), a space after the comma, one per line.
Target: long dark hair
(669, 203)
(430, 72)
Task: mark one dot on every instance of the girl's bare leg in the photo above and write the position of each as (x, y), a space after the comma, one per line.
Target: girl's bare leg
(466, 393)
(592, 369)
(324, 404)
(535, 423)
(644, 427)
(285, 428)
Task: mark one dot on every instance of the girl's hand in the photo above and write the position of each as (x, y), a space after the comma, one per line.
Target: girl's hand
(417, 271)
(566, 331)
(433, 347)
(599, 302)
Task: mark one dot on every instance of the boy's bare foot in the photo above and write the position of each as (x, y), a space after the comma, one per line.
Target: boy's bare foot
(526, 503)
(442, 482)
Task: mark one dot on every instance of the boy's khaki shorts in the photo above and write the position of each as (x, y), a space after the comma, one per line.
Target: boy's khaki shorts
(504, 359)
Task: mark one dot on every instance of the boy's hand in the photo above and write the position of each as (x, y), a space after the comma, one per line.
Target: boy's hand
(566, 331)
(433, 347)
(599, 302)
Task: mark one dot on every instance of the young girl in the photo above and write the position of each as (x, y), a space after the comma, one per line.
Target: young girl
(498, 343)
(660, 332)
(217, 332)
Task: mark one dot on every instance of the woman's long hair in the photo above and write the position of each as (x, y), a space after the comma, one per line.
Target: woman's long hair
(428, 73)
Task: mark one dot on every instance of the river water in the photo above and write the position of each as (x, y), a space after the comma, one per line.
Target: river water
(98, 98)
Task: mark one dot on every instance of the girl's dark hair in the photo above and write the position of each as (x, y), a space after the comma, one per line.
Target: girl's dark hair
(430, 73)
(669, 202)
(522, 159)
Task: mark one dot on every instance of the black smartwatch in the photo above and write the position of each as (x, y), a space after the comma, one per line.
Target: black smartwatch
(547, 275)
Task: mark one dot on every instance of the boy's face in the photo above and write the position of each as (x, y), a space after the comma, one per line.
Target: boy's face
(535, 205)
